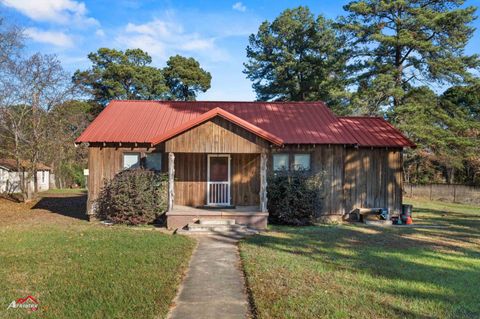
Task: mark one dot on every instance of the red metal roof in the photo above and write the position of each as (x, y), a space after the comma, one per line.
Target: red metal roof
(290, 122)
(375, 132)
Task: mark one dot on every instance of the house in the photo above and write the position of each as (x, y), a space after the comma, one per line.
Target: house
(10, 176)
(218, 154)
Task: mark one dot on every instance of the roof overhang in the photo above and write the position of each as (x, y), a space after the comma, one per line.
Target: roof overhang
(227, 116)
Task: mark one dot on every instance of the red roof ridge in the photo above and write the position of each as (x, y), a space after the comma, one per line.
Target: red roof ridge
(220, 102)
(226, 115)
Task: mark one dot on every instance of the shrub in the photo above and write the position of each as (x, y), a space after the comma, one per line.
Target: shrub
(293, 197)
(133, 197)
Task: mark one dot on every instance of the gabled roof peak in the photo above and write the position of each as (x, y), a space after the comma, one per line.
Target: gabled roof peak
(218, 111)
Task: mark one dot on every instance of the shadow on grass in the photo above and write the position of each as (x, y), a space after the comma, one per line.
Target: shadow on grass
(71, 206)
(446, 258)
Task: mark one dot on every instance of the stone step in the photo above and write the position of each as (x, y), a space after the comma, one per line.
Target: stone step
(214, 227)
(238, 234)
(216, 221)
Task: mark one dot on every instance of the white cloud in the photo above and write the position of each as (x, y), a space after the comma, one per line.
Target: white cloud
(162, 38)
(55, 38)
(198, 44)
(156, 28)
(100, 33)
(239, 7)
(56, 11)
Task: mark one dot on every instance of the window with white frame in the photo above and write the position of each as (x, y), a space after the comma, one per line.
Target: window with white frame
(153, 161)
(131, 160)
(280, 162)
(43, 177)
(301, 161)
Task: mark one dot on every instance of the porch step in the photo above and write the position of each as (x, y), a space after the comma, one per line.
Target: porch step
(230, 232)
(216, 221)
(215, 227)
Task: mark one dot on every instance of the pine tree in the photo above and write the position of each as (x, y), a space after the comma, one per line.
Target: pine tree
(298, 57)
(121, 75)
(402, 43)
(185, 78)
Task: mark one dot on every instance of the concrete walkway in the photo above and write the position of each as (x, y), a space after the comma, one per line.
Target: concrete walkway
(214, 286)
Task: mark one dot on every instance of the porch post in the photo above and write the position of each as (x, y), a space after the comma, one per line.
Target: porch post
(171, 180)
(263, 182)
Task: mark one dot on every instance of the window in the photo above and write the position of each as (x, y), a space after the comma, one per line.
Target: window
(131, 160)
(43, 177)
(280, 162)
(153, 161)
(301, 161)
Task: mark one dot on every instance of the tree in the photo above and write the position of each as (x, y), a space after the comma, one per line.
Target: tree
(11, 42)
(464, 98)
(462, 103)
(185, 78)
(298, 57)
(121, 75)
(33, 87)
(444, 135)
(401, 43)
(66, 122)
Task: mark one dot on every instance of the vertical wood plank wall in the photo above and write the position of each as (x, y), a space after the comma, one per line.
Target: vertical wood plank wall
(103, 164)
(191, 179)
(216, 136)
(373, 178)
(354, 177)
(246, 179)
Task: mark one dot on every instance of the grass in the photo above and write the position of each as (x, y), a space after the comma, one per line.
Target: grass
(76, 269)
(64, 191)
(354, 271)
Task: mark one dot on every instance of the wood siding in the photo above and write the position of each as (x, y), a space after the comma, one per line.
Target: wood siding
(104, 163)
(354, 178)
(373, 178)
(216, 136)
(191, 179)
(246, 179)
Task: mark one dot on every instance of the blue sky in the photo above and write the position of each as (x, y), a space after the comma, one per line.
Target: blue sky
(214, 32)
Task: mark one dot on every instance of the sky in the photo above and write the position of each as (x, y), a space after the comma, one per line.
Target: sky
(213, 32)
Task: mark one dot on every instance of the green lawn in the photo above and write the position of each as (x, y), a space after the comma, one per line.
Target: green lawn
(353, 271)
(77, 269)
(64, 191)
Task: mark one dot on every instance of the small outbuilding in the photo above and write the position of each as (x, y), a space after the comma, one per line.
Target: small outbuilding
(11, 176)
(218, 154)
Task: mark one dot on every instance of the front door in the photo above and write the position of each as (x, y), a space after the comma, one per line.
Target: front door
(218, 183)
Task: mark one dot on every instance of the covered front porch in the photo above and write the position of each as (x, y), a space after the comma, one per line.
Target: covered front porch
(217, 168)
(213, 186)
